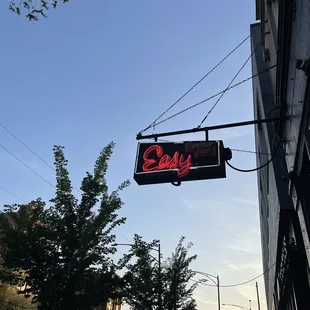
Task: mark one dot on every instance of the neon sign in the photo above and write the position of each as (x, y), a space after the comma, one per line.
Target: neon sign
(179, 161)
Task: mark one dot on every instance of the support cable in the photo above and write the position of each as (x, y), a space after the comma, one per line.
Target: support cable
(250, 152)
(227, 88)
(211, 97)
(196, 84)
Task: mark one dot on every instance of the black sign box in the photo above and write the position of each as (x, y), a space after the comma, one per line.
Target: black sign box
(167, 162)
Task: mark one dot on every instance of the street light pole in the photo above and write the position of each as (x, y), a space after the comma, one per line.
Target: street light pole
(250, 304)
(160, 306)
(258, 302)
(217, 283)
(218, 292)
(232, 305)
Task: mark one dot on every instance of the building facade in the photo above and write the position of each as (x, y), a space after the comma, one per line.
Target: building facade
(280, 44)
(111, 305)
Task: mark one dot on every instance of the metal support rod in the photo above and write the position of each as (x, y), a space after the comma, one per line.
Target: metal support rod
(217, 283)
(200, 129)
(250, 304)
(160, 306)
(218, 293)
(258, 302)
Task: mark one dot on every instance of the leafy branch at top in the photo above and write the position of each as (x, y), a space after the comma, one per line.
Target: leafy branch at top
(33, 9)
(63, 253)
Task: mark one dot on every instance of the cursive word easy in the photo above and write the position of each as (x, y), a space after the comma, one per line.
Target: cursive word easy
(163, 162)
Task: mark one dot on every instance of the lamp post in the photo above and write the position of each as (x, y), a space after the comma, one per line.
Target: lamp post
(160, 306)
(217, 283)
(241, 307)
(258, 302)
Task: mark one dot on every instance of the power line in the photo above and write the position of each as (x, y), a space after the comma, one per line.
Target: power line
(235, 150)
(32, 151)
(3, 188)
(226, 89)
(238, 284)
(196, 84)
(9, 152)
(23, 201)
(213, 96)
(258, 168)
(264, 165)
(251, 152)
(26, 146)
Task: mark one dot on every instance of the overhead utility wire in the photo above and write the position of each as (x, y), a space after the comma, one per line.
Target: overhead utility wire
(22, 200)
(226, 89)
(251, 152)
(3, 188)
(241, 283)
(31, 168)
(258, 168)
(196, 84)
(275, 153)
(32, 151)
(9, 152)
(26, 146)
(235, 150)
(213, 96)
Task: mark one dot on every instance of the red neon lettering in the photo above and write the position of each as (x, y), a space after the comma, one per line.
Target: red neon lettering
(166, 162)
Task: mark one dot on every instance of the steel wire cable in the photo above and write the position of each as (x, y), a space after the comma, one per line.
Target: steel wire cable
(197, 83)
(213, 96)
(227, 88)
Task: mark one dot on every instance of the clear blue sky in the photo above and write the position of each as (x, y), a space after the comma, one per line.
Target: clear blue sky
(96, 71)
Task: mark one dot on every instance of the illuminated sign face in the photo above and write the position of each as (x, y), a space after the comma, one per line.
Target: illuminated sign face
(179, 161)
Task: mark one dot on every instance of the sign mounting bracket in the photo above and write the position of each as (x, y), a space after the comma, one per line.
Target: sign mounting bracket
(206, 129)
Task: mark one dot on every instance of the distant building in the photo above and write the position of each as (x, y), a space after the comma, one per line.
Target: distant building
(281, 38)
(111, 305)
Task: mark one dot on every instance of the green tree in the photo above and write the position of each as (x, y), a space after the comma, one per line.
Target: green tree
(65, 250)
(178, 293)
(143, 282)
(34, 9)
(141, 278)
